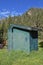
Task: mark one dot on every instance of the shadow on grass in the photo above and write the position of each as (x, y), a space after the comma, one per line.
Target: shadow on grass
(41, 44)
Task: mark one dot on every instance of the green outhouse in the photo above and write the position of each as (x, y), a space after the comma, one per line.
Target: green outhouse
(22, 38)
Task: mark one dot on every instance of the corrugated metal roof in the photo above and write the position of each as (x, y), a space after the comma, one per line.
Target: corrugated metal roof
(25, 27)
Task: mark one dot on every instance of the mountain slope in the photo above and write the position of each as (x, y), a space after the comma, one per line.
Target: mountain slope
(33, 17)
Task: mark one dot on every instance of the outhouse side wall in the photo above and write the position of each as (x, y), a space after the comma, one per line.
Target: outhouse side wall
(10, 39)
(33, 40)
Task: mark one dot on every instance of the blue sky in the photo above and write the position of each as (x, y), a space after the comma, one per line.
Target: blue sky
(18, 7)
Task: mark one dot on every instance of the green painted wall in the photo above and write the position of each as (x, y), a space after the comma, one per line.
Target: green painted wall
(22, 40)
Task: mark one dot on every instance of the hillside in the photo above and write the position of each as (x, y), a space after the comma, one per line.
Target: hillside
(33, 17)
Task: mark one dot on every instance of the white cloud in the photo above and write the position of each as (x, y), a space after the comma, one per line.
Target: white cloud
(6, 13)
(4, 10)
(15, 13)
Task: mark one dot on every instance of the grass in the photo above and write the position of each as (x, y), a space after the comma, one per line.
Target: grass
(21, 58)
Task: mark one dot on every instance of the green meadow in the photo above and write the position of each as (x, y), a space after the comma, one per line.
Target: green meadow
(21, 58)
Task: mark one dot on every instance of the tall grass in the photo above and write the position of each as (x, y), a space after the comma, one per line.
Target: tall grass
(21, 58)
